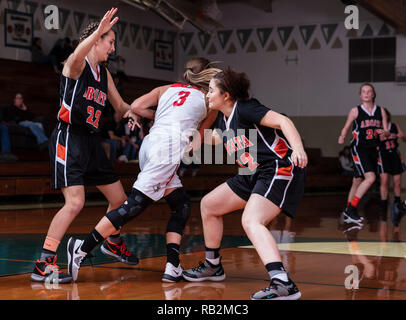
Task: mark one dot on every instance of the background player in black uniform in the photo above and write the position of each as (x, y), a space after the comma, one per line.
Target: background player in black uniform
(369, 121)
(390, 163)
(273, 183)
(77, 156)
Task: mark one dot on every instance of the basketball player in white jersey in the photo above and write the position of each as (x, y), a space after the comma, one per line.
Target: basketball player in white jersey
(181, 109)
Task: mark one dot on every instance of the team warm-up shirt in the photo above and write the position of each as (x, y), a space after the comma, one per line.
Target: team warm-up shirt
(390, 143)
(261, 150)
(365, 127)
(82, 101)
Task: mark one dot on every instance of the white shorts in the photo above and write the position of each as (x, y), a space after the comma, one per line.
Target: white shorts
(159, 165)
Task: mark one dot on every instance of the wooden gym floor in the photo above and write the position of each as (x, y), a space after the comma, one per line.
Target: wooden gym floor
(317, 254)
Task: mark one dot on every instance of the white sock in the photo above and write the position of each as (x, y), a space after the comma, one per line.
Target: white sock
(215, 261)
(281, 276)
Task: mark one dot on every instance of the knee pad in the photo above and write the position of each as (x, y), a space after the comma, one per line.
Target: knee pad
(135, 204)
(179, 203)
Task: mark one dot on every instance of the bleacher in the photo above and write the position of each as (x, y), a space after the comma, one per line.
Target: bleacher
(40, 87)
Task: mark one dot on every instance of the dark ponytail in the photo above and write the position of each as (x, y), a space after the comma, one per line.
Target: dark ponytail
(236, 84)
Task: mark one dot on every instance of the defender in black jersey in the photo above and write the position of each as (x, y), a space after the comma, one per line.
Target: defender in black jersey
(390, 163)
(272, 180)
(77, 157)
(369, 122)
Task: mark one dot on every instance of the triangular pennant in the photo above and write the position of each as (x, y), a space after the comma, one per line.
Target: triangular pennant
(134, 28)
(146, 32)
(13, 4)
(337, 44)
(243, 36)
(31, 7)
(293, 46)
(204, 39)
(69, 31)
(307, 32)
(93, 18)
(272, 46)
(121, 27)
(192, 51)
(368, 32)
(171, 35)
(126, 43)
(352, 33)
(384, 30)
(139, 44)
(185, 39)
(252, 47)
(224, 37)
(232, 48)
(78, 18)
(63, 16)
(263, 35)
(328, 31)
(212, 49)
(284, 34)
(159, 34)
(315, 45)
(37, 25)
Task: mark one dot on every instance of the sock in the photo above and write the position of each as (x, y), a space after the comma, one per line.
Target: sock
(276, 270)
(348, 203)
(45, 253)
(213, 256)
(51, 244)
(115, 238)
(172, 253)
(355, 201)
(92, 240)
(384, 204)
(397, 199)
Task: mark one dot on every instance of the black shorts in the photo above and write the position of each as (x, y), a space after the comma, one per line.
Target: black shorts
(391, 162)
(365, 160)
(77, 157)
(285, 190)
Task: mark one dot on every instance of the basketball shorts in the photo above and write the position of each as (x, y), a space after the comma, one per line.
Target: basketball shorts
(391, 162)
(365, 160)
(283, 188)
(78, 158)
(159, 163)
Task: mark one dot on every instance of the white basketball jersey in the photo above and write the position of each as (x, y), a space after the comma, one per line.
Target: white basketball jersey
(181, 108)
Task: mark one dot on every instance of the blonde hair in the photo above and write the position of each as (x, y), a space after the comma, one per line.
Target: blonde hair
(199, 72)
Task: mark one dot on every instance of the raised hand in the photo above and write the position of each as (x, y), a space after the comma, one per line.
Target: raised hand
(106, 23)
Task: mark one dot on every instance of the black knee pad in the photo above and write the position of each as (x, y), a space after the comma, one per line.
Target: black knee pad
(135, 204)
(179, 203)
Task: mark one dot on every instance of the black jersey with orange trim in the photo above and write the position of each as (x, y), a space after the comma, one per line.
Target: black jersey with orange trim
(256, 146)
(82, 101)
(365, 127)
(390, 144)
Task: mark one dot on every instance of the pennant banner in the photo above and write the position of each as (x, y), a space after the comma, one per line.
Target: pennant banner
(284, 34)
(224, 37)
(307, 32)
(263, 35)
(243, 36)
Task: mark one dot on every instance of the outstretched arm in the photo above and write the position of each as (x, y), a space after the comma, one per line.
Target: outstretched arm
(401, 134)
(352, 115)
(276, 120)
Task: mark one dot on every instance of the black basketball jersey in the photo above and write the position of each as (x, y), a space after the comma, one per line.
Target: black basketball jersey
(390, 143)
(255, 146)
(365, 127)
(82, 101)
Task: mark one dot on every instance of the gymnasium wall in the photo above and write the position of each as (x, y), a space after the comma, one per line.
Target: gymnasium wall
(137, 30)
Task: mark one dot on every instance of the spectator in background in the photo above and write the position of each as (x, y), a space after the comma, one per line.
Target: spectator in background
(61, 50)
(19, 113)
(5, 145)
(133, 143)
(38, 56)
(346, 163)
(115, 136)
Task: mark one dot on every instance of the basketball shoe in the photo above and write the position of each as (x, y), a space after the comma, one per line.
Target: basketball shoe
(172, 273)
(75, 257)
(278, 290)
(205, 272)
(350, 215)
(48, 271)
(119, 251)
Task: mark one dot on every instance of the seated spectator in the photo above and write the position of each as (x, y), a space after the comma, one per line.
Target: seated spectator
(133, 143)
(5, 145)
(38, 56)
(346, 163)
(61, 50)
(18, 112)
(114, 133)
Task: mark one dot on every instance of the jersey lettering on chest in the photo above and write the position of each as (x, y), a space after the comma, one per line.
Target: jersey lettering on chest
(96, 95)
